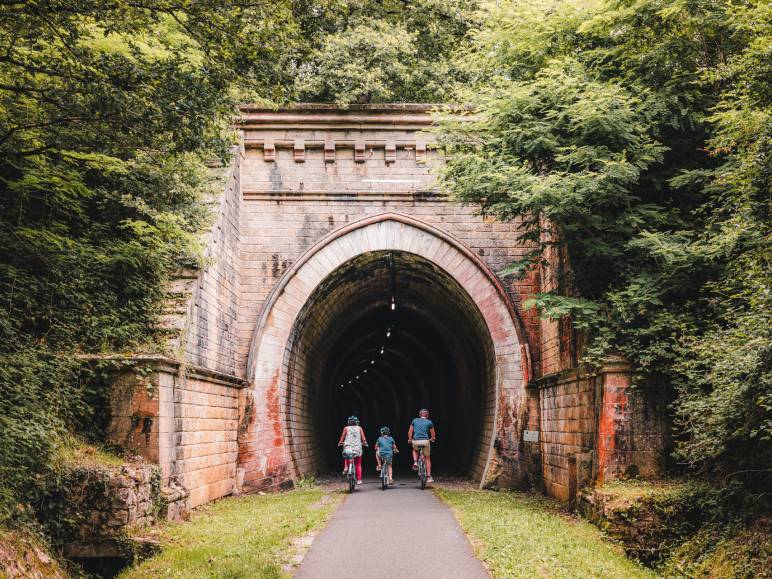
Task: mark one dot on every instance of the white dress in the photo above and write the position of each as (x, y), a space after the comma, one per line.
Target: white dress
(353, 440)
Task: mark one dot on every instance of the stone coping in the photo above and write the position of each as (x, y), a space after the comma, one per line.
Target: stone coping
(388, 116)
(172, 365)
(371, 107)
(560, 377)
(612, 365)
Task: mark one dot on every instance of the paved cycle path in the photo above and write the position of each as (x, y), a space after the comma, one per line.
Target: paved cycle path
(399, 533)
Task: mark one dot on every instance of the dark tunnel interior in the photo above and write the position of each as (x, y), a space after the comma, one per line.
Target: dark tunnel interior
(385, 334)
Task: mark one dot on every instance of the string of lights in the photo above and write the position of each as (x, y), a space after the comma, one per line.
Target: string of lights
(392, 307)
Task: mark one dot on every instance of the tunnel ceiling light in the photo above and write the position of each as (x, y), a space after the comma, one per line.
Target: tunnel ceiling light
(373, 361)
(365, 372)
(357, 377)
(381, 349)
(388, 333)
(393, 304)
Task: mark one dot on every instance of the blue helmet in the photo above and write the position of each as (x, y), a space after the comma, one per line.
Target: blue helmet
(352, 420)
(385, 430)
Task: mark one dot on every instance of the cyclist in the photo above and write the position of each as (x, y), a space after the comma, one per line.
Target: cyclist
(421, 434)
(353, 439)
(385, 447)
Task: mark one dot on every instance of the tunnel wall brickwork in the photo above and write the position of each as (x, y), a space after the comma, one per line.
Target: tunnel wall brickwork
(568, 427)
(184, 418)
(276, 231)
(264, 448)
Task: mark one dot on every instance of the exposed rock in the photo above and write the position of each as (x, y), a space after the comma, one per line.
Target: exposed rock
(22, 555)
(633, 513)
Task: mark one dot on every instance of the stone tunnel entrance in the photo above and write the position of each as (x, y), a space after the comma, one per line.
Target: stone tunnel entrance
(450, 341)
(383, 335)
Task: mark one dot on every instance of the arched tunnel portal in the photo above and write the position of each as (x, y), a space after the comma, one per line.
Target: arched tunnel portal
(380, 318)
(385, 334)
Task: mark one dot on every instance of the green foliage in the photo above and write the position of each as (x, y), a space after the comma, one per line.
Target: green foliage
(635, 134)
(108, 112)
(734, 551)
(385, 51)
(370, 62)
(684, 528)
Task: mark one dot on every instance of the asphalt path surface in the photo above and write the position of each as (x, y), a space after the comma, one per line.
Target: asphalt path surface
(398, 533)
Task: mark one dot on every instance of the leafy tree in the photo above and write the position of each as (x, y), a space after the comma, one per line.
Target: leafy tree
(386, 51)
(638, 131)
(108, 112)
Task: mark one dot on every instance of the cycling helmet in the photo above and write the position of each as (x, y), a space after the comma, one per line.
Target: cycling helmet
(385, 431)
(352, 420)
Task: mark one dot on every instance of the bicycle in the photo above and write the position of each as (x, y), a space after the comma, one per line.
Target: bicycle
(422, 476)
(385, 472)
(351, 475)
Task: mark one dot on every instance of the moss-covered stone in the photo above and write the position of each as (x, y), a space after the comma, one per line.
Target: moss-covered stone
(24, 555)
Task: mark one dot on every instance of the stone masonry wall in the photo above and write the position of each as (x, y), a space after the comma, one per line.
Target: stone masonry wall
(210, 335)
(185, 418)
(567, 407)
(205, 431)
(98, 503)
(278, 226)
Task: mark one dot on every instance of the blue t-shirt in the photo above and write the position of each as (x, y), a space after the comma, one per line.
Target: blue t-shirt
(385, 446)
(421, 427)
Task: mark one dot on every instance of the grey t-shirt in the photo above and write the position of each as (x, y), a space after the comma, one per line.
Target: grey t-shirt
(421, 428)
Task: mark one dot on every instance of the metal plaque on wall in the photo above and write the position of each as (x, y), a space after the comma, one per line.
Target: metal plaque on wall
(531, 436)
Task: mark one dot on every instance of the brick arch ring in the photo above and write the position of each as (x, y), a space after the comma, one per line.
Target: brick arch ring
(265, 460)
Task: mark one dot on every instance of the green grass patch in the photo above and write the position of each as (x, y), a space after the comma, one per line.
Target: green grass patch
(73, 452)
(522, 535)
(636, 490)
(723, 553)
(247, 536)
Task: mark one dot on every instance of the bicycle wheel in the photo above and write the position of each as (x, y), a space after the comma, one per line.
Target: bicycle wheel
(352, 483)
(422, 472)
(385, 480)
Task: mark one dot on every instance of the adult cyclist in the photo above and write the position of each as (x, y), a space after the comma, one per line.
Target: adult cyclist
(422, 435)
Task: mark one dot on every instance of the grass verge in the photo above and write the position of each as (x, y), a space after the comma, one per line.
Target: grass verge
(247, 536)
(522, 535)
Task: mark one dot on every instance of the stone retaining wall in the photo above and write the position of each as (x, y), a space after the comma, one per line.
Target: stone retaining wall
(596, 427)
(567, 406)
(94, 505)
(202, 306)
(185, 418)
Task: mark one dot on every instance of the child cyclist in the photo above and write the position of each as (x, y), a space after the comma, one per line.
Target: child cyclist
(385, 447)
(352, 439)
